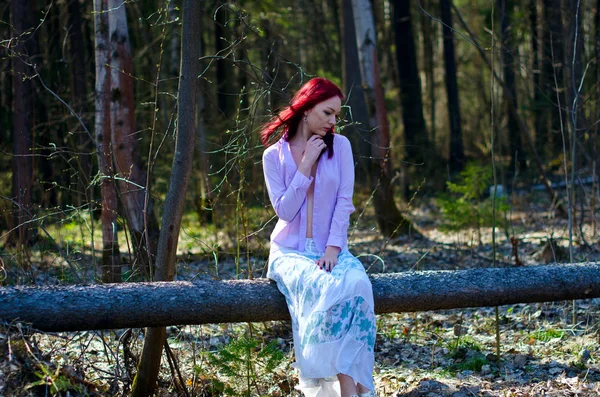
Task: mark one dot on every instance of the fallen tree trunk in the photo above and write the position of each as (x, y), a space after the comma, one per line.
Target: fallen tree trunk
(133, 305)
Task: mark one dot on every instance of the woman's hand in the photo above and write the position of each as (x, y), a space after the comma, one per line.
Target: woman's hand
(330, 259)
(313, 149)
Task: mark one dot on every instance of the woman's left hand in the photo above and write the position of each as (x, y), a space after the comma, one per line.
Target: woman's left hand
(330, 259)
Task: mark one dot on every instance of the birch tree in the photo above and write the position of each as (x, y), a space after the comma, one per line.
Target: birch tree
(391, 222)
(358, 131)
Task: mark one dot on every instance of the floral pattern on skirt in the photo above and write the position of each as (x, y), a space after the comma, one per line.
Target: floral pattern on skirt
(333, 319)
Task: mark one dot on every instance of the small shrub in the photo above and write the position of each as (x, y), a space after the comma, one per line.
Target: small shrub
(474, 363)
(464, 206)
(245, 362)
(53, 381)
(460, 345)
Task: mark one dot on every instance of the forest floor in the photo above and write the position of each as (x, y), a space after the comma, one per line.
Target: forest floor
(546, 349)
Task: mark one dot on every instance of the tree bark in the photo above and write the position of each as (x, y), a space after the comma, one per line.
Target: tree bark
(359, 133)
(124, 145)
(508, 53)
(428, 29)
(415, 130)
(275, 76)
(226, 99)
(23, 118)
(79, 95)
(457, 155)
(390, 220)
(552, 82)
(596, 114)
(536, 91)
(144, 383)
(111, 268)
(5, 88)
(203, 192)
(126, 305)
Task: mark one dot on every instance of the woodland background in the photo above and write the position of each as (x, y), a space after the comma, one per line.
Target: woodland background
(462, 115)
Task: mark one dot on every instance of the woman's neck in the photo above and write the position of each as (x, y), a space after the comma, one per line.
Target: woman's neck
(301, 136)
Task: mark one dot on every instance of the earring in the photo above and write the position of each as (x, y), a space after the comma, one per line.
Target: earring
(305, 119)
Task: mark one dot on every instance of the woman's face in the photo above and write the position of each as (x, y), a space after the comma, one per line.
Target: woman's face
(323, 116)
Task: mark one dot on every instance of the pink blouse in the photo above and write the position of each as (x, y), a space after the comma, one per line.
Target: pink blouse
(332, 205)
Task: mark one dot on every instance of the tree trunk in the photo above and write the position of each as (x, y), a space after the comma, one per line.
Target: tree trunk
(226, 100)
(111, 268)
(49, 173)
(79, 96)
(429, 38)
(508, 53)
(334, 6)
(536, 98)
(242, 69)
(596, 114)
(552, 82)
(359, 131)
(391, 222)
(23, 111)
(131, 182)
(457, 155)
(573, 73)
(145, 381)
(174, 43)
(416, 141)
(415, 130)
(203, 194)
(275, 76)
(327, 54)
(133, 305)
(5, 87)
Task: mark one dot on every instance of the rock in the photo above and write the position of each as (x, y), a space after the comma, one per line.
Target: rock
(467, 391)
(427, 387)
(466, 373)
(520, 360)
(432, 385)
(584, 355)
(491, 357)
(555, 371)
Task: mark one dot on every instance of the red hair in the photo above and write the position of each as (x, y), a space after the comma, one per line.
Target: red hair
(310, 94)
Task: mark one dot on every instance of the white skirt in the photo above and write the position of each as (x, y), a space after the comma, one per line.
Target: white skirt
(333, 318)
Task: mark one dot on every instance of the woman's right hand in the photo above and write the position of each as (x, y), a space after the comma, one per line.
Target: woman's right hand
(312, 151)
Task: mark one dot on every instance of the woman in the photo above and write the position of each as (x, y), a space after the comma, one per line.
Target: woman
(309, 174)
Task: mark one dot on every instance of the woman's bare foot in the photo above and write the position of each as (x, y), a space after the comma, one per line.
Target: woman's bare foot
(361, 389)
(347, 385)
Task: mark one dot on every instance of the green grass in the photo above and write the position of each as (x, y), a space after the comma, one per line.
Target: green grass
(547, 335)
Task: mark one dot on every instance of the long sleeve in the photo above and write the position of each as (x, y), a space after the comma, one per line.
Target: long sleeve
(286, 201)
(338, 232)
